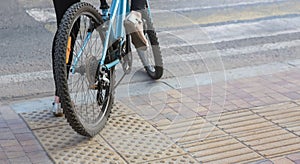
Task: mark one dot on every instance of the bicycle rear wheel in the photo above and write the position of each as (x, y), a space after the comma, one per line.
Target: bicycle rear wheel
(151, 58)
(85, 98)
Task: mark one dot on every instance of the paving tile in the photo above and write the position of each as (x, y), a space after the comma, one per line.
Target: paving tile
(24, 136)
(13, 148)
(7, 135)
(38, 157)
(17, 125)
(295, 156)
(268, 100)
(190, 130)
(257, 103)
(120, 109)
(15, 154)
(285, 115)
(282, 160)
(19, 131)
(232, 152)
(126, 127)
(32, 148)
(4, 130)
(18, 160)
(64, 145)
(279, 97)
(29, 142)
(96, 153)
(279, 148)
(258, 133)
(7, 142)
(3, 125)
(9, 113)
(4, 161)
(264, 161)
(61, 137)
(2, 155)
(292, 95)
(176, 159)
(42, 119)
(142, 148)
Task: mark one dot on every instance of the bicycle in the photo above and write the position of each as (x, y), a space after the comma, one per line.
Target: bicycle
(89, 45)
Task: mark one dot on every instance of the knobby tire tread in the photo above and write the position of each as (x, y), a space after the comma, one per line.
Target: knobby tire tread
(60, 72)
(155, 48)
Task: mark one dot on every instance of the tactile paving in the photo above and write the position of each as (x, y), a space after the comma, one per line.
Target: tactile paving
(285, 115)
(175, 160)
(277, 141)
(221, 150)
(190, 130)
(242, 121)
(126, 126)
(259, 134)
(42, 119)
(87, 154)
(119, 109)
(64, 145)
(142, 148)
(61, 137)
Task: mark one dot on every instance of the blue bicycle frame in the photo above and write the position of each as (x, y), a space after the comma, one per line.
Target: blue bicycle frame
(119, 9)
(117, 13)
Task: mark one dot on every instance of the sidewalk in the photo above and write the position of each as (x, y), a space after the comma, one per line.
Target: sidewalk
(250, 120)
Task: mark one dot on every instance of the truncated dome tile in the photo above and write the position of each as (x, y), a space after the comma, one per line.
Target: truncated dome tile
(42, 119)
(120, 109)
(86, 154)
(144, 148)
(61, 137)
(126, 126)
(175, 160)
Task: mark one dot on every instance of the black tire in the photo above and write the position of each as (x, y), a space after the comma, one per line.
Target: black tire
(153, 52)
(86, 119)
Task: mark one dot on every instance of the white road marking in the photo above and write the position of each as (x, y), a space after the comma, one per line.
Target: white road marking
(219, 6)
(231, 32)
(231, 51)
(45, 15)
(210, 78)
(206, 35)
(23, 77)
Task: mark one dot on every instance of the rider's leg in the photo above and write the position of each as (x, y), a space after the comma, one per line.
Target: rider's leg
(137, 5)
(60, 8)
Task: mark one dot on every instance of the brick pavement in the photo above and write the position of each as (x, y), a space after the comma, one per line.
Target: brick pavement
(17, 142)
(254, 120)
(245, 98)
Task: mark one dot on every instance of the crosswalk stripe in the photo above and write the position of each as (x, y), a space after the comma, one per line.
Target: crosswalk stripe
(22, 77)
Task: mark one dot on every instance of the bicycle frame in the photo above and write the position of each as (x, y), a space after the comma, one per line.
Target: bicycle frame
(117, 14)
(119, 9)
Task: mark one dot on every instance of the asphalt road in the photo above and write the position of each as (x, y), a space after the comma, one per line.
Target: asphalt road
(197, 37)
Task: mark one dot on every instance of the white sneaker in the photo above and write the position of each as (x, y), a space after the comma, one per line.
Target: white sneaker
(134, 26)
(56, 108)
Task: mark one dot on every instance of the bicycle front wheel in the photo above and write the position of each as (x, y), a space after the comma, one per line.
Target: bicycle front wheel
(85, 98)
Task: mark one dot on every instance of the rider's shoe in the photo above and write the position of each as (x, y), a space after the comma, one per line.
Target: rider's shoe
(134, 26)
(56, 108)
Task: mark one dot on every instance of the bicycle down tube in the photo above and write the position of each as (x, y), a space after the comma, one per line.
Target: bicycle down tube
(118, 12)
